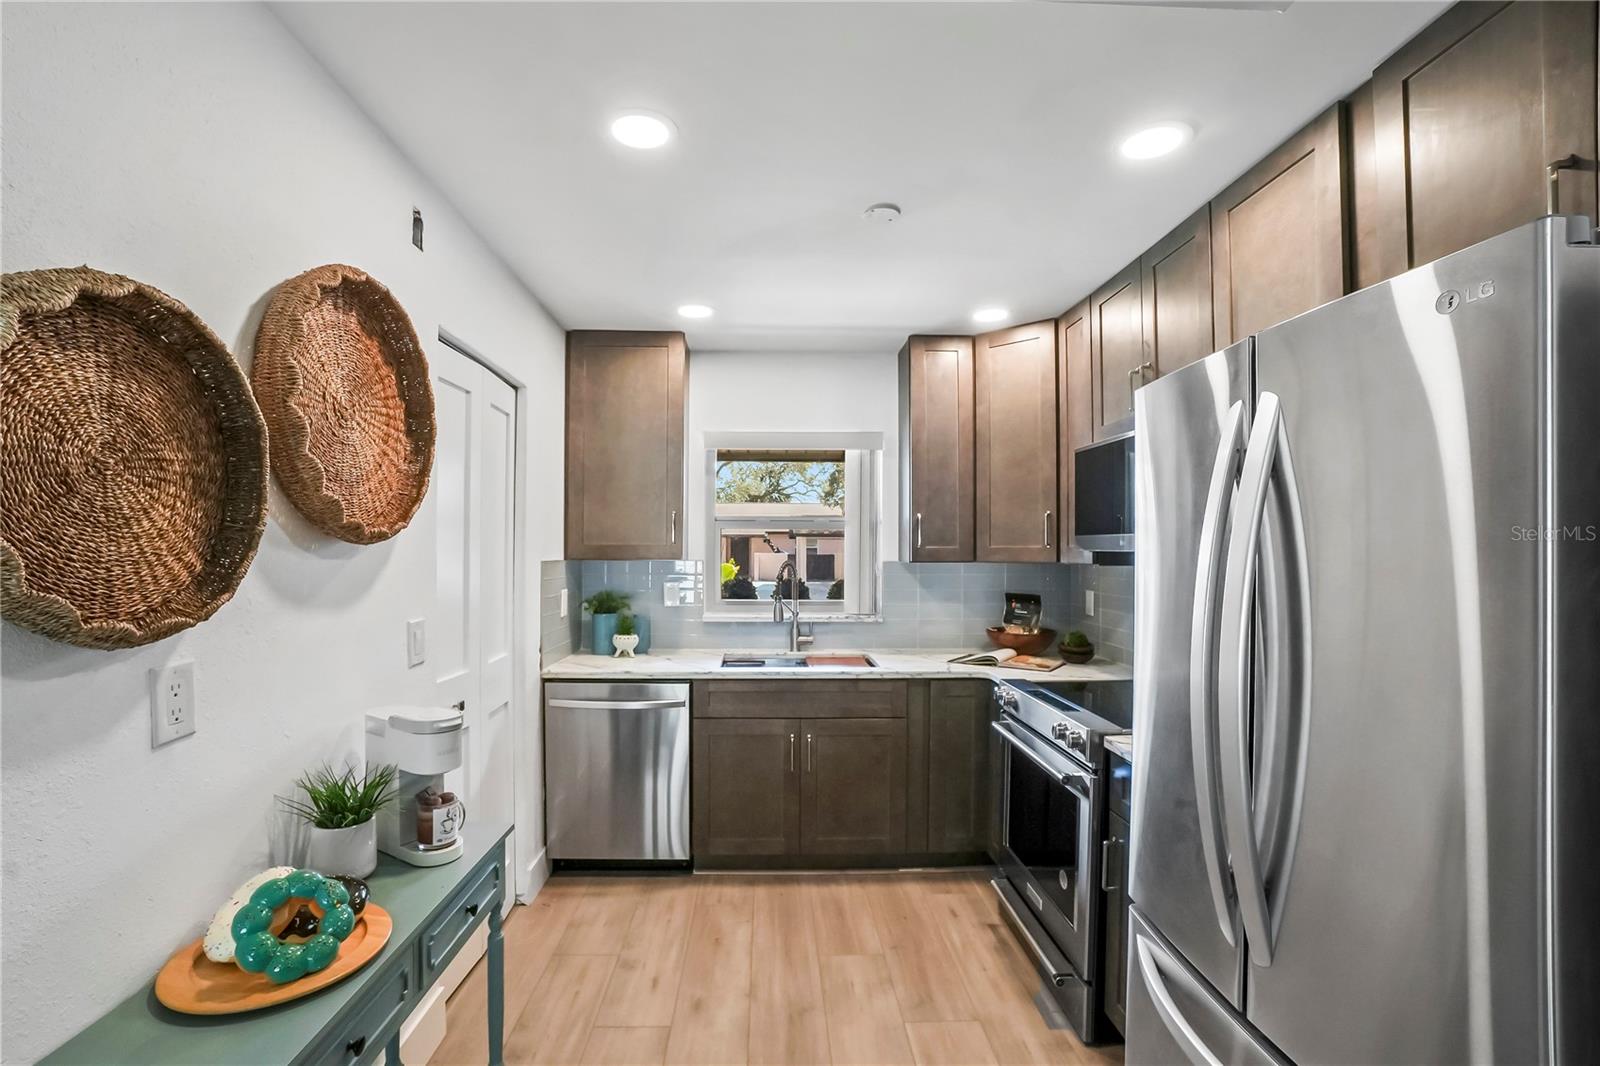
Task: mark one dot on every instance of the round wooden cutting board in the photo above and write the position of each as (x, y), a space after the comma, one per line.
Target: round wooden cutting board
(190, 983)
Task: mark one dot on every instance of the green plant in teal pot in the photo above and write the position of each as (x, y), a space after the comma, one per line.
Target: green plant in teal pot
(605, 606)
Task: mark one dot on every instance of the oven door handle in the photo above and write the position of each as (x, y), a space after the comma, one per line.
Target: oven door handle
(1058, 767)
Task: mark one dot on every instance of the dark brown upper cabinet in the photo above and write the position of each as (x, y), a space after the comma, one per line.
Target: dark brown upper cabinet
(625, 427)
(936, 450)
(1076, 406)
(1117, 352)
(1468, 115)
(1015, 388)
(1176, 297)
(1278, 233)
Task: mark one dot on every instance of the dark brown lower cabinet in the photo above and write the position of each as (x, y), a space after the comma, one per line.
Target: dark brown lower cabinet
(958, 766)
(746, 786)
(841, 772)
(853, 786)
(1115, 878)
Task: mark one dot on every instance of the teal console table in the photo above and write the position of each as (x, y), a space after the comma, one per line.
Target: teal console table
(435, 910)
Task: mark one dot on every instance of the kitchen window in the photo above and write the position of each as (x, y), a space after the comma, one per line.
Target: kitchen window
(813, 507)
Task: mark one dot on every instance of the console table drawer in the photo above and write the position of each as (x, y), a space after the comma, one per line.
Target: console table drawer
(445, 934)
(375, 1018)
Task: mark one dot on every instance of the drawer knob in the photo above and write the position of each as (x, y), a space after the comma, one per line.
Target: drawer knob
(472, 909)
(357, 1046)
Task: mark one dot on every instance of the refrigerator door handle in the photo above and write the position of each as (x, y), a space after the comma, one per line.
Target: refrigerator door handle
(1233, 667)
(1282, 697)
(1155, 982)
(1202, 665)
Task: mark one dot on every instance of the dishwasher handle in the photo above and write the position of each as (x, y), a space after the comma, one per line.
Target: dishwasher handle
(617, 705)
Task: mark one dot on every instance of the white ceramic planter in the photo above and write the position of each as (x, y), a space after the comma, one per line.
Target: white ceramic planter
(624, 643)
(352, 852)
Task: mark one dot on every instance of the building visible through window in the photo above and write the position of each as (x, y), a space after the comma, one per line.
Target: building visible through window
(774, 506)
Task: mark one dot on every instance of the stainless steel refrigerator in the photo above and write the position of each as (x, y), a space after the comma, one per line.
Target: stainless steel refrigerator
(1366, 805)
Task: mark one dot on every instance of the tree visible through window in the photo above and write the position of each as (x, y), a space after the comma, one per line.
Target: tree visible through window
(781, 481)
(778, 507)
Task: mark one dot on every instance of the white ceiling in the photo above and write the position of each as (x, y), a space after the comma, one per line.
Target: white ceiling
(994, 125)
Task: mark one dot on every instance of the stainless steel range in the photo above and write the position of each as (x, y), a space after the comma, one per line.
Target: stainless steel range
(1051, 804)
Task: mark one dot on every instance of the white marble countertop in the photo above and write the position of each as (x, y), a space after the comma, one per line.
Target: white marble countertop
(707, 662)
(1122, 745)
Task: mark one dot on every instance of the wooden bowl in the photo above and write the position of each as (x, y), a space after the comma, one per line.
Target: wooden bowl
(1021, 643)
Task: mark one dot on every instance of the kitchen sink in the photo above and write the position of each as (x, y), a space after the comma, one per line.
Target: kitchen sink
(790, 662)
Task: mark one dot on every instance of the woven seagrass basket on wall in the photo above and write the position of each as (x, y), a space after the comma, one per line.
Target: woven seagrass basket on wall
(343, 385)
(133, 461)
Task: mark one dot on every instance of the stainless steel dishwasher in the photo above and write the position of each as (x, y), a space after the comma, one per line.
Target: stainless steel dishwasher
(616, 759)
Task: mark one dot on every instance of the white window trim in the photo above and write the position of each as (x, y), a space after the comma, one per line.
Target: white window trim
(863, 466)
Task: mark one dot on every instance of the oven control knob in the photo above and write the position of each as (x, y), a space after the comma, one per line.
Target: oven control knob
(1077, 742)
(1059, 731)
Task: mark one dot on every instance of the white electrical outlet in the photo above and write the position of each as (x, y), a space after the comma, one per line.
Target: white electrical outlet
(1088, 602)
(563, 603)
(416, 642)
(172, 703)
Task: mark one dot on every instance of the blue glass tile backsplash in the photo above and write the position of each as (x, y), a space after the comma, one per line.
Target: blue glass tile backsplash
(935, 606)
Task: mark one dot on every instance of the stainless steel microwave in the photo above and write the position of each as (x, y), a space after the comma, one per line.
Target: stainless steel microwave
(1102, 495)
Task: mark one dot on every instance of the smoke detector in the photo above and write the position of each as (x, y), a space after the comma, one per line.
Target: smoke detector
(881, 213)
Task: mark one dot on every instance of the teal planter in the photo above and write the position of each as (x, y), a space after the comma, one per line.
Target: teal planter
(604, 628)
(641, 626)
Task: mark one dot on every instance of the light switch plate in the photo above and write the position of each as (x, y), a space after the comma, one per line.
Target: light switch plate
(563, 603)
(172, 703)
(1088, 602)
(416, 642)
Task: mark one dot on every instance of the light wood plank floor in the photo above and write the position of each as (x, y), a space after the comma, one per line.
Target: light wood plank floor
(863, 969)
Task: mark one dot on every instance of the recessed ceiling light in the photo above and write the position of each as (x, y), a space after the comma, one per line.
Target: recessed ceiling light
(641, 129)
(1157, 140)
(695, 311)
(989, 314)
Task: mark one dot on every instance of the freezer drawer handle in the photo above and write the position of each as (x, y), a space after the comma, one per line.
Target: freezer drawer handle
(1167, 1007)
(616, 705)
(1202, 665)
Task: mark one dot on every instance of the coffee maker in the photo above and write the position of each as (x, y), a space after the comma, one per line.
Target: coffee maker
(422, 826)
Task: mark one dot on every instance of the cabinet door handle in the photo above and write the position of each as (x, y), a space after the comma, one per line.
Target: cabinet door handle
(919, 529)
(791, 753)
(808, 752)
(1105, 865)
(357, 1046)
(1047, 529)
(472, 910)
(673, 539)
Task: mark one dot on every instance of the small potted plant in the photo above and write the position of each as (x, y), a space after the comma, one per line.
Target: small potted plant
(1076, 648)
(605, 606)
(341, 807)
(626, 637)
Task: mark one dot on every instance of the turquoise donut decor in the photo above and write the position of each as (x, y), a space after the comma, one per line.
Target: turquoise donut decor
(257, 950)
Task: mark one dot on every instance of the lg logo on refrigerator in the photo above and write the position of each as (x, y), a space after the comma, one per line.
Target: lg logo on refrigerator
(1450, 299)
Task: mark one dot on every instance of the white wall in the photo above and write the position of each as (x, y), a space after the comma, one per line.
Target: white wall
(740, 392)
(199, 149)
